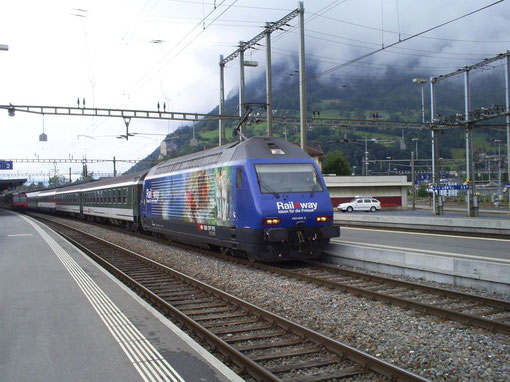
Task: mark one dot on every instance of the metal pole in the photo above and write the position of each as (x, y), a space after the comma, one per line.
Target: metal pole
(366, 157)
(302, 77)
(70, 177)
(474, 201)
(422, 106)
(499, 171)
(221, 126)
(114, 167)
(507, 97)
(242, 95)
(269, 84)
(413, 180)
(437, 173)
(432, 106)
(469, 170)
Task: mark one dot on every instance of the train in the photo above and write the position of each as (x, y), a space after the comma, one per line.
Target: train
(263, 198)
(14, 201)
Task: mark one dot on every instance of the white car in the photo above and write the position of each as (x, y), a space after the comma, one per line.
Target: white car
(360, 204)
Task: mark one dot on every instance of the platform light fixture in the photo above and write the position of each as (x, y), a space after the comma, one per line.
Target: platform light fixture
(4, 47)
(251, 64)
(422, 82)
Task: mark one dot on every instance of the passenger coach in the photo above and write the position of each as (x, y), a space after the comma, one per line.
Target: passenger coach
(115, 199)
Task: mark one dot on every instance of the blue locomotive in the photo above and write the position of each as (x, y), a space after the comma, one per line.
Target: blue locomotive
(263, 197)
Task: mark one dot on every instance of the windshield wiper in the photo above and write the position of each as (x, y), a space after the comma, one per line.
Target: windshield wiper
(313, 189)
(264, 185)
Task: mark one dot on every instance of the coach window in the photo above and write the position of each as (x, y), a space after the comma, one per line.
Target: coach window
(124, 195)
(239, 179)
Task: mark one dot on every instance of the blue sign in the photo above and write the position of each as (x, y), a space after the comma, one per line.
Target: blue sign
(424, 176)
(452, 187)
(5, 164)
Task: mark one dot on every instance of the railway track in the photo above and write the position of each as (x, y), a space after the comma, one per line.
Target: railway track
(488, 313)
(264, 346)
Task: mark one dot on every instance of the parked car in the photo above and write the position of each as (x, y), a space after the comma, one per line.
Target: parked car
(360, 204)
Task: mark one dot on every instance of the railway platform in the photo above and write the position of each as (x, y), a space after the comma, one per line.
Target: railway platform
(451, 249)
(63, 318)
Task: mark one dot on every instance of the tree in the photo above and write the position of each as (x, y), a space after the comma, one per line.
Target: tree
(335, 163)
(57, 180)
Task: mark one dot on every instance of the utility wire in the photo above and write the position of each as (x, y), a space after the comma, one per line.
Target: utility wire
(404, 34)
(145, 78)
(401, 41)
(350, 62)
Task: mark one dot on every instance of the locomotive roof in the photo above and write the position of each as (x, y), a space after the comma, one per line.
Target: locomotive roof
(252, 148)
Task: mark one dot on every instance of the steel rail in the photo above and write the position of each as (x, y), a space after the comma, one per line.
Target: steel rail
(466, 318)
(256, 370)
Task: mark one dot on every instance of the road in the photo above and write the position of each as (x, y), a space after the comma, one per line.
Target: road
(474, 248)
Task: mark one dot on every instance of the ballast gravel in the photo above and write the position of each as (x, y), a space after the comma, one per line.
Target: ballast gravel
(429, 346)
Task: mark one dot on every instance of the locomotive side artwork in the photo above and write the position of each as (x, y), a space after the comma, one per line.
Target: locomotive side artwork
(262, 197)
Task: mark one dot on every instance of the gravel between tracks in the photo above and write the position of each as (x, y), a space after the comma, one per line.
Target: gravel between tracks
(426, 345)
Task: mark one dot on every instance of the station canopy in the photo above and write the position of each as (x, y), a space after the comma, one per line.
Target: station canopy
(6, 184)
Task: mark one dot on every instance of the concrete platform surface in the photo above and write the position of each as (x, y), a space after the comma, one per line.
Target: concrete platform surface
(63, 318)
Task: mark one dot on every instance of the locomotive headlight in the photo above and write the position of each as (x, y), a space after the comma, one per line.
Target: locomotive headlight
(323, 219)
(271, 221)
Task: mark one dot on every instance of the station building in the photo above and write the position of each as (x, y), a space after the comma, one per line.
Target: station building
(390, 190)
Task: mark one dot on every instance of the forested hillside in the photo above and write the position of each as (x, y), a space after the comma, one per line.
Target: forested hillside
(392, 97)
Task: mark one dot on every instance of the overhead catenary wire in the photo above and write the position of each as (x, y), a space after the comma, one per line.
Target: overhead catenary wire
(359, 58)
(160, 64)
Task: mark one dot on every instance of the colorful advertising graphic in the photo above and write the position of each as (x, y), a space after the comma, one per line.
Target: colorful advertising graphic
(203, 197)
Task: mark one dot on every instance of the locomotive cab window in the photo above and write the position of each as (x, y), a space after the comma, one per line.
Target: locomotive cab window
(239, 178)
(287, 177)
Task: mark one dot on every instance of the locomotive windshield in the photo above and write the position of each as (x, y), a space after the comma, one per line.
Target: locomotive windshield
(287, 177)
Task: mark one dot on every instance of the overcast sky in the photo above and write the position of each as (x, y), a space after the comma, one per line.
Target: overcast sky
(132, 54)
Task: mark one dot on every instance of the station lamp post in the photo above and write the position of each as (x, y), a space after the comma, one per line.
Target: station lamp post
(389, 164)
(416, 141)
(421, 81)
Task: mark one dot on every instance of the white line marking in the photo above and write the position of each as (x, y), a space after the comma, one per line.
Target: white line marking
(150, 365)
(20, 235)
(396, 231)
(426, 252)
